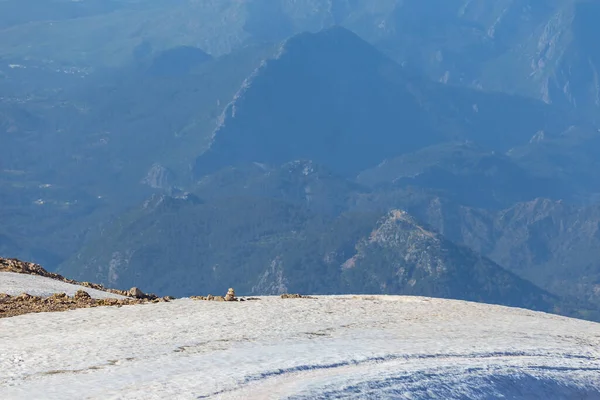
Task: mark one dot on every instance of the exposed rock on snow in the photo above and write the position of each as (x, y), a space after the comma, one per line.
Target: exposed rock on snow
(332, 347)
(23, 294)
(295, 296)
(11, 265)
(82, 295)
(136, 293)
(230, 296)
(11, 306)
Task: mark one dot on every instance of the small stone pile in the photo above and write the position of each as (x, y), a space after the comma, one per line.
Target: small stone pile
(230, 296)
(11, 306)
(295, 296)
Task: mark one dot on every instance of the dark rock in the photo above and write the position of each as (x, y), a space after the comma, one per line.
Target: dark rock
(82, 295)
(136, 293)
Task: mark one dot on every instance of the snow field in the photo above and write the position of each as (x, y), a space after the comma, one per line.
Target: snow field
(332, 347)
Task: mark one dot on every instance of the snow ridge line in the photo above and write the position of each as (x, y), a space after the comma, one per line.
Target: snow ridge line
(424, 383)
(394, 357)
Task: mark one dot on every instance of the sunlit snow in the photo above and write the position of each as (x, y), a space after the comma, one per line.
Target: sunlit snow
(330, 348)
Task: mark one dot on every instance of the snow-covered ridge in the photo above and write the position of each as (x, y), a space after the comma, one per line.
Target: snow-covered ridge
(14, 284)
(331, 347)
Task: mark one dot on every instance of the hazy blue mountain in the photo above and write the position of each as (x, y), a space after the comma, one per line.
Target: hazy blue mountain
(465, 173)
(177, 61)
(317, 99)
(569, 159)
(332, 98)
(543, 49)
(300, 182)
(97, 145)
(558, 62)
(23, 12)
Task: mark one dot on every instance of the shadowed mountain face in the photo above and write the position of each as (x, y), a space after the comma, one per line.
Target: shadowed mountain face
(466, 173)
(327, 97)
(177, 61)
(332, 98)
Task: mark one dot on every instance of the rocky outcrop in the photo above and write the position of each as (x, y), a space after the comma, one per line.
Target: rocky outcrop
(134, 292)
(230, 296)
(295, 296)
(24, 303)
(22, 267)
(82, 295)
(273, 280)
(404, 256)
(159, 177)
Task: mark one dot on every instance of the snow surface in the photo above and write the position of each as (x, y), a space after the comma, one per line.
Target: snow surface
(331, 348)
(14, 284)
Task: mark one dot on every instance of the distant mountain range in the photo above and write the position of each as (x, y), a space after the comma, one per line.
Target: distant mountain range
(370, 156)
(185, 246)
(543, 49)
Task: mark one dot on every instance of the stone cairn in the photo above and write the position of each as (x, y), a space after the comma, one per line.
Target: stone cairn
(230, 296)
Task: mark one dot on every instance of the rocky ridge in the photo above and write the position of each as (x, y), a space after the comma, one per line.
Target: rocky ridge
(402, 255)
(22, 267)
(230, 296)
(25, 303)
(11, 306)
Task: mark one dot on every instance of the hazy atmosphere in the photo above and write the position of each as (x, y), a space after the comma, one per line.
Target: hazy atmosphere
(438, 148)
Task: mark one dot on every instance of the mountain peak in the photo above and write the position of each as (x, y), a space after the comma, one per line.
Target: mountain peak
(399, 219)
(177, 61)
(332, 38)
(328, 97)
(334, 48)
(403, 256)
